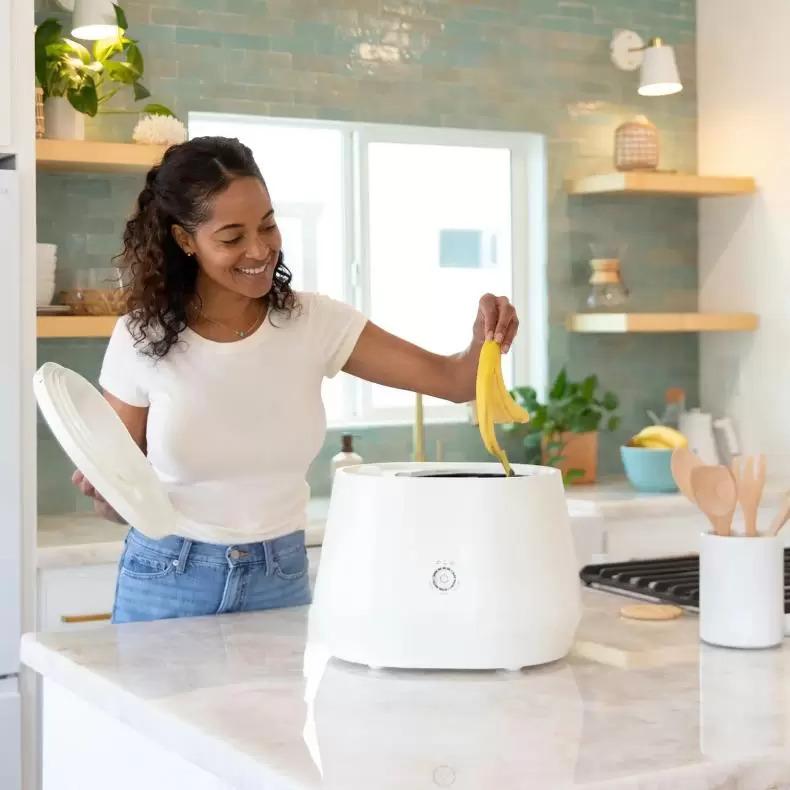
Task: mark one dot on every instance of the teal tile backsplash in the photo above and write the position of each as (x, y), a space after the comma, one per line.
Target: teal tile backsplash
(532, 65)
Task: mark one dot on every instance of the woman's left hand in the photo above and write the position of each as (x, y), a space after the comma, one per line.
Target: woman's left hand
(496, 320)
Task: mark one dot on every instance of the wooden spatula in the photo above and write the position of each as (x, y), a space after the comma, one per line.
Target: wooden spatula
(749, 482)
(716, 495)
(782, 516)
(683, 462)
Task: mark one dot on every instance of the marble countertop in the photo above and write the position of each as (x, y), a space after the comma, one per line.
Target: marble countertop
(79, 539)
(615, 498)
(86, 539)
(247, 698)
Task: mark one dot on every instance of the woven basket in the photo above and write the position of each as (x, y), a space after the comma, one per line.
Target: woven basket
(39, 111)
(95, 301)
(636, 145)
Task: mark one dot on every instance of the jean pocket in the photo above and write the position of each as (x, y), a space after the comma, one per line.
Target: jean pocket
(140, 563)
(291, 564)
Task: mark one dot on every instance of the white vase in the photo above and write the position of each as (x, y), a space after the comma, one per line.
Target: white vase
(62, 121)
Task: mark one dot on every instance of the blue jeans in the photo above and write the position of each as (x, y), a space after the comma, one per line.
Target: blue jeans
(177, 577)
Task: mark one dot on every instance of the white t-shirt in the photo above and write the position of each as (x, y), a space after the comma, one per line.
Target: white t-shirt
(233, 427)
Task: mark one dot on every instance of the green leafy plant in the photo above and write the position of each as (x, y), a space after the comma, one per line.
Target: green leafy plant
(572, 407)
(89, 79)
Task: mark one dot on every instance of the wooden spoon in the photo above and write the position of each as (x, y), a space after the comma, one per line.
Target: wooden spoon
(782, 516)
(716, 494)
(683, 462)
(749, 482)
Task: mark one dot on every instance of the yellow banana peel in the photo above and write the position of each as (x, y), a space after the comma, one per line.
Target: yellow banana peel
(493, 402)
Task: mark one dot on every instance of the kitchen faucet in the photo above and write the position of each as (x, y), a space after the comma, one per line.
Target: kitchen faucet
(418, 432)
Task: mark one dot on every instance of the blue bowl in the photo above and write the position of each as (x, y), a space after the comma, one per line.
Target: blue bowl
(648, 470)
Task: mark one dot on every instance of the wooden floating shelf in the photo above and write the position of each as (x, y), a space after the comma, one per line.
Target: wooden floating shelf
(88, 156)
(611, 323)
(75, 325)
(656, 183)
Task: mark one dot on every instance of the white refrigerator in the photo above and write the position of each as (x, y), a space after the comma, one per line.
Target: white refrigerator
(11, 389)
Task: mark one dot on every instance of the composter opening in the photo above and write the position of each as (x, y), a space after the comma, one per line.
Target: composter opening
(447, 473)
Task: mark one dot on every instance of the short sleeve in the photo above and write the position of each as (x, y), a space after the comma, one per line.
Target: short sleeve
(124, 369)
(336, 328)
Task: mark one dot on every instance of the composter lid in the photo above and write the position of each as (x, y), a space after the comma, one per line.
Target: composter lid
(97, 441)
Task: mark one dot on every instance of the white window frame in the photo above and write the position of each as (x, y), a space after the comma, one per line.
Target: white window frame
(528, 230)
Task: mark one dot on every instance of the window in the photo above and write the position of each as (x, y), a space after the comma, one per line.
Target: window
(412, 225)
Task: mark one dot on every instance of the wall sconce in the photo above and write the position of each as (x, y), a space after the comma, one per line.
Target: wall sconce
(92, 19)
(659, 75)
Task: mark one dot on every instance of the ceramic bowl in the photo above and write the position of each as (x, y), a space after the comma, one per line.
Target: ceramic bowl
(648, 470)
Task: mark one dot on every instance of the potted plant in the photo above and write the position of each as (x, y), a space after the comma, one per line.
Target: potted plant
(78, 82)
(564, 431)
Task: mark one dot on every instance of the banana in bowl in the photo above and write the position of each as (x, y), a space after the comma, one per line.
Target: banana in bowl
(647, 458)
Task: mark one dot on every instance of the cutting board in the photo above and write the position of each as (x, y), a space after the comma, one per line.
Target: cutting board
(606, 637)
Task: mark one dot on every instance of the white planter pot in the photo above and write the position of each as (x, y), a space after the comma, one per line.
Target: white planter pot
(62, 121)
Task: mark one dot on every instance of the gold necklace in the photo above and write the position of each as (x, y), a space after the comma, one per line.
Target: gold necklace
(238, 332)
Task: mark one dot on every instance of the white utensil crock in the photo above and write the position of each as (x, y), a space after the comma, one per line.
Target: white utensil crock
(741, 591)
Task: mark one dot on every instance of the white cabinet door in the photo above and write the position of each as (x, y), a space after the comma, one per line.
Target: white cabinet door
(667, 536)
(10, 411)
(650, 538)
(86, 748)
(82, 596)
(77, 597)
(10, 735)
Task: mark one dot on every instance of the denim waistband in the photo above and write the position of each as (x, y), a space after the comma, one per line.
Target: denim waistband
(173, 546)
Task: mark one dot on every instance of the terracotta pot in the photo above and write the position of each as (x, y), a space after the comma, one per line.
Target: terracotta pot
(580, 452)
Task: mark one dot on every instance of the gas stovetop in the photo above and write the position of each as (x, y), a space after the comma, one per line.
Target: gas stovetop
(671, 579)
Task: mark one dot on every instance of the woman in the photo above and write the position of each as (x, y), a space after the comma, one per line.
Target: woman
(216, 372)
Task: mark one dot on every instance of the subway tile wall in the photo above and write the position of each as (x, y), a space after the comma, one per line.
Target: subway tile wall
(533, 65)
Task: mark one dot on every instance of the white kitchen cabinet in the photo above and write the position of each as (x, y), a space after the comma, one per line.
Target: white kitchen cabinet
(76, 597)
(663, 536)
(649, 538)
(86, 749)
(10, 746)
(82, 596)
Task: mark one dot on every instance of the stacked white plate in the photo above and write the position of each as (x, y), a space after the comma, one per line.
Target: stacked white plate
(46, 260)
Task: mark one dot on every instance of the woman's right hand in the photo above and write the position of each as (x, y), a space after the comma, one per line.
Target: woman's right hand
(100, 504)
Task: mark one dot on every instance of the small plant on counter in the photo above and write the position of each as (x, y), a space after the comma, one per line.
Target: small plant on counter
(89, 79)
(572, 408)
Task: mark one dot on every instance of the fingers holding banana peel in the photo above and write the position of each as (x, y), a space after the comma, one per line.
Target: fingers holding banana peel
(496, 320)
(507, 324)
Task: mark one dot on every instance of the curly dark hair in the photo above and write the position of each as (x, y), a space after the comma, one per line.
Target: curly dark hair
(160, 275)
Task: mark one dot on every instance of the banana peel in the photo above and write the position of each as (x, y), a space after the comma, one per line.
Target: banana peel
(493, 401)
